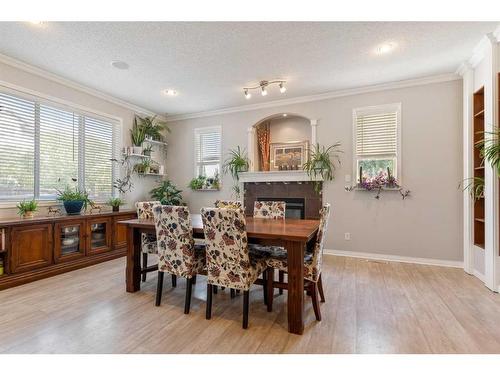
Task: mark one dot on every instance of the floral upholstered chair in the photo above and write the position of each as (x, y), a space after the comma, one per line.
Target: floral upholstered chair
(312, 263)
(229, 262)
(148, 241)
(227, 204)
(177, 253)
(269, 209)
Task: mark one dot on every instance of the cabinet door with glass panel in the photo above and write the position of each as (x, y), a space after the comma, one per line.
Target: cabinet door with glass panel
(99, 235)
(69, 240)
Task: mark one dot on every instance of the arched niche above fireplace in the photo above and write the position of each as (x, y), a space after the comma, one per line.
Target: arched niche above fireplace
(284, 127)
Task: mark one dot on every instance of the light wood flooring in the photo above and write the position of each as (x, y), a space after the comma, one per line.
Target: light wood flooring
(371, 307)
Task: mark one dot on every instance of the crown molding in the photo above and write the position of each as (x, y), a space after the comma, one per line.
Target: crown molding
(72, 84)
(463, 68)
(496, 34)
(328, 95)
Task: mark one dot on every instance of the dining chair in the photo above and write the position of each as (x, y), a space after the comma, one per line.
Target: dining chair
(148, 240)
(312, 264)
(177, 252)
(269, 209)
(227, 204)
(229, 262)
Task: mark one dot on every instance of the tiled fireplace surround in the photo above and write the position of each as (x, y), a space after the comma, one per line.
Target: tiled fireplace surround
(282, 190)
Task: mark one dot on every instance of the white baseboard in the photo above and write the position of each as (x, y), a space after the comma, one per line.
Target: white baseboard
(396, 258)
(479, 275)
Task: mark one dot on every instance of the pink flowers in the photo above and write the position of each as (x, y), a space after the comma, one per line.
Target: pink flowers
(381, 180)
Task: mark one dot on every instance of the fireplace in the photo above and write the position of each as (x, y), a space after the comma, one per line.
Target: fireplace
(295, 207)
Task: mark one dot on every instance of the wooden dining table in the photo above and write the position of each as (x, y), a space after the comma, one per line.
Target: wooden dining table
(293, 234)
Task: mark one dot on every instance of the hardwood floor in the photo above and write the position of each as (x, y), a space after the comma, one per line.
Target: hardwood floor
(371, 307)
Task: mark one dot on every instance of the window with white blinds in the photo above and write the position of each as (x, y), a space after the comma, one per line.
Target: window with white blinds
(207, 145)
(377, 140)
(44, 146)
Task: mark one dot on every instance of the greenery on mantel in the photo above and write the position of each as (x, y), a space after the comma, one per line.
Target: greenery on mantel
(322, 163)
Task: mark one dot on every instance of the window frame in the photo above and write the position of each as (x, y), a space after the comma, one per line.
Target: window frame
(374, 110)
(197, 165)
(81, 111)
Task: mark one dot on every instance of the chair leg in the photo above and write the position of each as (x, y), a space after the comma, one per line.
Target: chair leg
(209, 302)
(315, 301)
(233, 293)
(281, 278)
(159, 288)
(215, 289)
(246, 302)
(222, 288)
(189, 288)
(264, 283)
(194, 280)
(320, 289)
(174, 281)
(144, 265)
(270, 288)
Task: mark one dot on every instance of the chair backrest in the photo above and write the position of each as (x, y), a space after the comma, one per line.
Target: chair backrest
(145, 209)
(269, 209)
(317, 259)
(227, 204)
(174, 234)
(228, 260)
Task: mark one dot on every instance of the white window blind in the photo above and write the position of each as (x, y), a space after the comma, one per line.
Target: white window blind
(17, 147)
(207, 151)
(376, 134)
(45, 146)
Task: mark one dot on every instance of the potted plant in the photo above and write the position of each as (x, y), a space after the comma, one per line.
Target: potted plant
(197, 183)
(27, 209)
(167, 194)
(146, 151)
(137, 135)
(73, 200)
(152, 127)
(115, 203)
(321, 163)
(236, 163)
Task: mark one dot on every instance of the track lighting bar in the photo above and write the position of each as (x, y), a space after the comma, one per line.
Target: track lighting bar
(263, 87)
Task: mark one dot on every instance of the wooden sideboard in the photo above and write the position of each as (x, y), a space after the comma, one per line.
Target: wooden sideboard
(33, 249)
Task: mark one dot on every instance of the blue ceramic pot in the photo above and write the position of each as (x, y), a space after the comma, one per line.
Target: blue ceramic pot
(73, 207)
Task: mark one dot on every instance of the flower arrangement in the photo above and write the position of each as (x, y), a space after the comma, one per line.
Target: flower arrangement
(382, 180)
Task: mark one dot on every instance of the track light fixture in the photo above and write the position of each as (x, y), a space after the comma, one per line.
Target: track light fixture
(263, 87)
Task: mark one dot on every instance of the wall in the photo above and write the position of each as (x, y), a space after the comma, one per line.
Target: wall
(290, 129)
(15, 76)
(426, 225)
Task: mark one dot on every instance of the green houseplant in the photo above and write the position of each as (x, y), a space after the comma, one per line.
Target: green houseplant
(475, 186)
(152, 127)
(167, 193)
(321, 163)
(73, 200)
(236, 162)
(146, 151)
(26, 209)
(115, 203)
(137, 135)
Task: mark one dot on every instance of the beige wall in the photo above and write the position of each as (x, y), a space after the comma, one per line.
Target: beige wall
(426, 225)
(290, 129)
(32, 82)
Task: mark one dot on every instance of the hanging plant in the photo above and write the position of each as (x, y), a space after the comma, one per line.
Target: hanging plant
(321, 163)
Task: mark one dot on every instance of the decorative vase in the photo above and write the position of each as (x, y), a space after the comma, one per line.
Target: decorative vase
(116, 208)
(73, 207)
(28, 215)
(146, 152)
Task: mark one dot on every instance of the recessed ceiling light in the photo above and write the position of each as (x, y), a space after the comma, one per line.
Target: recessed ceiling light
(36, 23)
(284, 115)
(122, 65)
(170, 92)
(385, 48)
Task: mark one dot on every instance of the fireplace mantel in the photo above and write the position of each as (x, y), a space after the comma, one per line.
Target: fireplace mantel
(276, 176)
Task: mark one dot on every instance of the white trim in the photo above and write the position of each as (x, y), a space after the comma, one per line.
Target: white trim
(329, 95)
(72, 84)
(276, 176)
(395, 258)
(479, 275)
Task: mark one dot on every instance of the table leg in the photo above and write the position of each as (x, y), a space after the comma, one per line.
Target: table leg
(295, 306)
(133, 270)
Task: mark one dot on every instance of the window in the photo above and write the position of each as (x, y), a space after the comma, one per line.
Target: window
(207, 147)
(43, 146)
(377, 137)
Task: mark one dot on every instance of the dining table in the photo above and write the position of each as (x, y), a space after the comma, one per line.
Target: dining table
(293, 234)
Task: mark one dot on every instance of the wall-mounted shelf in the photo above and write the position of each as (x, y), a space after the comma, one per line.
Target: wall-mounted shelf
(479, 113)
(205, 189)
(151, 174)
(159, 143)
(138, 156)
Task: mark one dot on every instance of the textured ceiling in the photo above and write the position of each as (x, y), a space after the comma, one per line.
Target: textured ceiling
(209, 63)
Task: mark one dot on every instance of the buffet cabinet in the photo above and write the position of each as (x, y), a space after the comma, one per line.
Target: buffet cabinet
(32, 249)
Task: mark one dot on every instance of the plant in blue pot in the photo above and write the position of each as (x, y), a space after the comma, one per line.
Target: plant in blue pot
(73, 200)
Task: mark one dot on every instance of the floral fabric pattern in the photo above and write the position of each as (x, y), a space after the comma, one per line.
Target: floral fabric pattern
(269, 209)
(229, 262)
(177, 253)
(312, 261)
(228, 204)
(148, 241)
